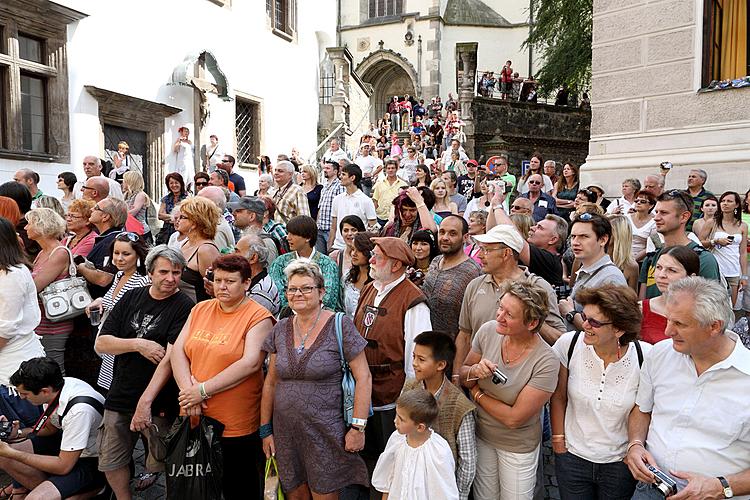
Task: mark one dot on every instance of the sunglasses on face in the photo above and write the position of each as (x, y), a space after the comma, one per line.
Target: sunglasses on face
(534, 182)
(201, 184)
(595, 323)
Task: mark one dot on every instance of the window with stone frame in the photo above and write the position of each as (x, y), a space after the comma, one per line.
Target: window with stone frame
(385, 8)
(283, 17)
(247, 131)
(726, 41)
(34, 120)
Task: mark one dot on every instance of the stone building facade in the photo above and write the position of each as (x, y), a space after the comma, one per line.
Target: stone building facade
(653, 62)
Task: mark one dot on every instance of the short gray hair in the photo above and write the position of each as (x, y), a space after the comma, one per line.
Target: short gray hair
(266, 177)
(702, 173)
(117, 211)
(635, 183)
(658, 178)
(304, 267)
(561, 229)
(165, 252)
(286, 165)
(256, 246)
(711, 300)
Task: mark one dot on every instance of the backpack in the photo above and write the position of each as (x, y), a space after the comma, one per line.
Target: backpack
(282, 246)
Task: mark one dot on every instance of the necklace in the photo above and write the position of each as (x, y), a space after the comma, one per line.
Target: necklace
(304, 339)
(509, 361)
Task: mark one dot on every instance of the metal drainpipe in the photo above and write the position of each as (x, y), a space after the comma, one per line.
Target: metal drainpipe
(338, 23)
(531, 48)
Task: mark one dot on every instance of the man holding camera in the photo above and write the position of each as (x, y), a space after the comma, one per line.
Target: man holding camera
(57, 458)
(688, 432)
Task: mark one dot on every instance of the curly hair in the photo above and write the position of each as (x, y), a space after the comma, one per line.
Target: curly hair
(83, 207)
(534, 299)
(619, 304)
(47, 222)
(203, 213)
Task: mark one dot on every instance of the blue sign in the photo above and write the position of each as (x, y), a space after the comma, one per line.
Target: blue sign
(524, 167)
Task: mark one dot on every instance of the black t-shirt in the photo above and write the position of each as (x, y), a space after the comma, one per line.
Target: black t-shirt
(138, 315)
(546, 265)
(465, 187)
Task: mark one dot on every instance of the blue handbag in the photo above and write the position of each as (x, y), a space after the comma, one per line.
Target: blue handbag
(347, 380)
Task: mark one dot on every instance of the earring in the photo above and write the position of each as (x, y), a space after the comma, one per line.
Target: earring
(138, 262)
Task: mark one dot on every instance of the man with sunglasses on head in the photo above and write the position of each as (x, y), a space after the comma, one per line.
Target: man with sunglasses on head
(590, 235)
(672, 214)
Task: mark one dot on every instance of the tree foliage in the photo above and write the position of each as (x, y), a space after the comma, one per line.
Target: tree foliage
(561, 35)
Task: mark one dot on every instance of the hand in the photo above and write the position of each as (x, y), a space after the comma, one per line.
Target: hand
(722, 242)
(209, 286)
(151, 350)
(95, 304)
(269, 447)
(415, 196)
(617, 210)
(141, 418)
(636, 460)
(743, 283)
(699, 487)
(354, 441)
(566, 305)
(498, 197)
(559, 446)
(5, 449)
(191, 396)
(483, 369)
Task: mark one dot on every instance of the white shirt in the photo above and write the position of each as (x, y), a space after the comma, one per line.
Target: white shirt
(19, 316)
(80, 426)
(115, 190)
(337, 155)
(445, 158)
(599, 399)
(416, 320)
(698, 423)
(620, 202)
(423, 473)
(357, 203)
(641, 235)
(524, 188)
(368, 164)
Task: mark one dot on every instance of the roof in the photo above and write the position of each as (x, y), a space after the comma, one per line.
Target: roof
(473, 13)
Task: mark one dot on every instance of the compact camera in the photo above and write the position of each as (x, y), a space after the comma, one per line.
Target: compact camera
(498, 377)
(665, 484)
(563, 291)
(666, 165)
(6, 430)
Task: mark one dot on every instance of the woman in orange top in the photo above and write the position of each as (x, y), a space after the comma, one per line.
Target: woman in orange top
(217, 365)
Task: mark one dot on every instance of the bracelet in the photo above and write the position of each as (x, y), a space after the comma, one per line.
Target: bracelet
(265, 430)
(558, 436)
(202, 391)
(478, 396)
(361, 422)
(421, 205)
(635, 442)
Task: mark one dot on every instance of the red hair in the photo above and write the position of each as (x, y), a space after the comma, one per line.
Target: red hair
(9, 210)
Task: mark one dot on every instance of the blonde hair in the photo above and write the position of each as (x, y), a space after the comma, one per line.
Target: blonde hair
(132, 182)
(591, 208)
(52, 203)
(446, 200)
(47, 222)
(203, 213)
(622, 241)
(523, 223)
(311, 171)
(534, 298)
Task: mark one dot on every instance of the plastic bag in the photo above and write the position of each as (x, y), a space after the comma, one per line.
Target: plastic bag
(194, 460)
(272, 489)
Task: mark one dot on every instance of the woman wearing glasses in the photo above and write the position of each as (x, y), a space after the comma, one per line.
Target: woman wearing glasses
(509, 427)
(82, 235)
(596, 389)
(301, 410)
(128, 255)
(217, 363)
(175, 194)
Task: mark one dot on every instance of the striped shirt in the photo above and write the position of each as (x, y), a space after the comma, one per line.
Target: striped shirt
(263, 291)
(698, 200)
(329, 192)
(108, 303)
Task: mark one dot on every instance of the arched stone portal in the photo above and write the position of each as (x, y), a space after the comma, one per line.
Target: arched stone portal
(389, 74)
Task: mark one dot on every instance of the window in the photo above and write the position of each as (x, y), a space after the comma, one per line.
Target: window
(30, 49)
(33, 114)
(383, 8)
(247, 131)
(726, 40)
(283, 16)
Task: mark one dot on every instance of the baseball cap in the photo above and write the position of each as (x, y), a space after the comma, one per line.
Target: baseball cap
(505, 234)
(251, 203)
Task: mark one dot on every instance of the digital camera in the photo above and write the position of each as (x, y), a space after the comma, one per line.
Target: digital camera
(498, 377)
(665, 484)
(6, 430)
(563, 291)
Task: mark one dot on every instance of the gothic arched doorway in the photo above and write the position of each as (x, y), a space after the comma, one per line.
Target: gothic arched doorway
(389, 74)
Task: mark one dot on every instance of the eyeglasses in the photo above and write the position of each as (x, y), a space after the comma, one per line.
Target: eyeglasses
(87, 187)
(534, 182)
(305, 290)
(97, 208)
(71, 216)
(595, 323)
(183, 217)
(641, 202)
(517, 207)
(127, 235)
(484, 250)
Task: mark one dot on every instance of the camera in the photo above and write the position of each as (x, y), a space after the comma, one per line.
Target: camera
(498, 377)
(563, 291)
(210, 275)
(665, 484)
(666, 165)
(496, 186)
(6, 430)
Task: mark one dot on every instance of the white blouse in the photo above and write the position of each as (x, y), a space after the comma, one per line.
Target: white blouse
(427, 472)
(19, 316)
(599, 399)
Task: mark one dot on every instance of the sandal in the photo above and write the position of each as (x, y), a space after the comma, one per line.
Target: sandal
(145, 480)
(9, 492)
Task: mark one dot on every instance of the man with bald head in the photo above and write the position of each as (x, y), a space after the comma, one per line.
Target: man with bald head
(30, 179)
(544, 204)
(225, 237)
(95, 188)
(521, 206)
(92, 167)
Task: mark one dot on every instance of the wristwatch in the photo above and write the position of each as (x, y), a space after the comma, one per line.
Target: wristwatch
(359, 424)
(728, 493)
(570, 316)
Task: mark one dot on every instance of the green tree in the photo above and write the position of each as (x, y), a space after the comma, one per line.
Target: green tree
(561, 35)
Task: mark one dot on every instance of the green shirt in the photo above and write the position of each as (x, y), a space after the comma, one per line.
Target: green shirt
(709, 268)
(697, 203)
(328, 267)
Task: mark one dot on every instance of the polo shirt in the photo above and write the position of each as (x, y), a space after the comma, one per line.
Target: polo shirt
(698, 200)
(384, 193)
(357, 203)
(698, 423)
(709, 268)
(601, 272)
(239, 182)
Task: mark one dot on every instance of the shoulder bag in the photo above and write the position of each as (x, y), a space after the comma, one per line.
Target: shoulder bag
(66, 298)
(347, 381)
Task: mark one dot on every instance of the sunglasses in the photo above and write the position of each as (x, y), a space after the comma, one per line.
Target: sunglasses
(198, 184)
(595, 323)
(642, 202)
(127, 236)
(534, 182)
(586, 217)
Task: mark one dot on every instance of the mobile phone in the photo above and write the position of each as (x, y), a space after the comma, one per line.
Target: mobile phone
(210, 275)
(730, 237)
(508, 188)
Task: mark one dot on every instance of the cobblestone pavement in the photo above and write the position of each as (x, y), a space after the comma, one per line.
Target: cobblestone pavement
(550, 480)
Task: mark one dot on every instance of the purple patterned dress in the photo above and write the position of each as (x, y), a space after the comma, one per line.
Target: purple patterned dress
(308, 422)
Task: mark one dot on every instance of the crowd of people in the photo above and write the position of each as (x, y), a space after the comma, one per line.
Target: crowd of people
(478, 315)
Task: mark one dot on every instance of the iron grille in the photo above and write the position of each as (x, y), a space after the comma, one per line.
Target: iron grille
(137, 141)
(246, 119)
(327, 84)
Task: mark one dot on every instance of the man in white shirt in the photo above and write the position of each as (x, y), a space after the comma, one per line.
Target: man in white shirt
(445, 158)
(57, 458)
(371, 167)
(92, 167)
(334, 153)
(692, 409)
(351, 202)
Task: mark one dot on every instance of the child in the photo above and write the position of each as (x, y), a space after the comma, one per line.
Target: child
(417, 463)
(433, 354)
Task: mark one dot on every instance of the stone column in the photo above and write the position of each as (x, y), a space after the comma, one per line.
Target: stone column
(340, 98)
(466, 53)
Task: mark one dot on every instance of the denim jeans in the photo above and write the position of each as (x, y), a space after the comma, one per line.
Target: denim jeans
(321, 244)
(645, 491)
(578, 478)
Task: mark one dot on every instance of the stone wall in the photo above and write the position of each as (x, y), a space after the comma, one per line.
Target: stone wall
(518, 129)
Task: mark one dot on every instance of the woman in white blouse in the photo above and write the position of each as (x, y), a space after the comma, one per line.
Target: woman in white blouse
(19, 316)
(596, 389)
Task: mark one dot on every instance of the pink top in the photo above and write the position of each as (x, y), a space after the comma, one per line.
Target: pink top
(473, 252)
(84, 246)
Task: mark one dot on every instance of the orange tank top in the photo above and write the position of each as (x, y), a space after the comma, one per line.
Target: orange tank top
(216, 340)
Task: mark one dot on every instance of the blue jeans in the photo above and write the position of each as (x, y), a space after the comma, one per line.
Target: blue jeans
(645, 491)
(321, 244)
(580, 479)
